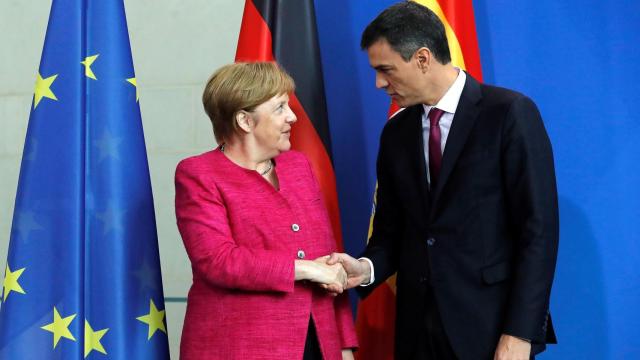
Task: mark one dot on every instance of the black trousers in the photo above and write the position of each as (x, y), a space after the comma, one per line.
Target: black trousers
(433, 343)
(311, 346)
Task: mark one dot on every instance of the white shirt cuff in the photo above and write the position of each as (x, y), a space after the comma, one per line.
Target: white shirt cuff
(372, 278)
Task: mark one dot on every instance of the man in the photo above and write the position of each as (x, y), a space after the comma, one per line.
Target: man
(466, 210)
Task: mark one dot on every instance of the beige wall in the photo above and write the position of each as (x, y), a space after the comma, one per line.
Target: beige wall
(176, 45)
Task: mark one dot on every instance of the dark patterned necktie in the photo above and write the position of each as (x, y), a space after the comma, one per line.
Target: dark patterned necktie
(435, 154)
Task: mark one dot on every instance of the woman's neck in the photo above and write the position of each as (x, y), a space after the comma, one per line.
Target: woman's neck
(245, 155)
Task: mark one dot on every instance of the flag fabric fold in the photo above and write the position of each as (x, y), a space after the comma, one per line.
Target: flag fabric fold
(82, 278)
(285, 31)
(375, 320)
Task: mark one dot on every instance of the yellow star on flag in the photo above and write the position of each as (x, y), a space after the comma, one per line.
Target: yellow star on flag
(43, 89)
(59, 327)
(88, 61)
(92, 339)
(155, 320)
(134, 83)
(11, 282)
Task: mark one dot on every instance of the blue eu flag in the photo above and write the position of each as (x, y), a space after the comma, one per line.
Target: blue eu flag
(82, 278)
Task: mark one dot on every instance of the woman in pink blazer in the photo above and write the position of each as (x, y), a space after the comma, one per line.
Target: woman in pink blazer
(255, 228)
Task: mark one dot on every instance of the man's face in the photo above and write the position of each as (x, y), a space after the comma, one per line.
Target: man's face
(399, 78)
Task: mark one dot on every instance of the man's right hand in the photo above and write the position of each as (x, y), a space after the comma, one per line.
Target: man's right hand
(358, 271)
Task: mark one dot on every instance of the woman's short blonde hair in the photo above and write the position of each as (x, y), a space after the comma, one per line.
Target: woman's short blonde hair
(241, 86)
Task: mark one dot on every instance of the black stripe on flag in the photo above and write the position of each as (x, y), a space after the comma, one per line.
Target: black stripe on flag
(295, 47)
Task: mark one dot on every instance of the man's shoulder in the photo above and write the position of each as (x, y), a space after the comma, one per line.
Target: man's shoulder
(496, 95)
(402, 118)
(503, 103)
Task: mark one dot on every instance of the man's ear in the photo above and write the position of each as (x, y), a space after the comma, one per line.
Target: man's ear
(423, 57)
(244, 121)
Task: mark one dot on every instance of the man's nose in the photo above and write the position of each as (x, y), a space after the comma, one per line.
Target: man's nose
(381, 82)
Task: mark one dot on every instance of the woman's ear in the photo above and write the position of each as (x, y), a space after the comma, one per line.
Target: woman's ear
(244, 121)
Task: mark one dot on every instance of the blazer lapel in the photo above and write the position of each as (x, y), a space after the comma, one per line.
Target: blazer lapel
(463, 121)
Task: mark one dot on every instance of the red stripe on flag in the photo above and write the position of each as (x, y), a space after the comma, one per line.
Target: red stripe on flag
(304, 138)
(254, 42)
(459, 14)
(393, 108)
(375, 324)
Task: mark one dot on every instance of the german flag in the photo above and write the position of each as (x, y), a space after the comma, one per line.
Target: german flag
(376, 314)
(285, 31)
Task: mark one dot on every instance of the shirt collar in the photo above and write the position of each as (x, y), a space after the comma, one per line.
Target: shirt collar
(451, 98)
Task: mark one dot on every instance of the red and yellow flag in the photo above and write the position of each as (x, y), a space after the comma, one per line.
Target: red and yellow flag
(376, 314)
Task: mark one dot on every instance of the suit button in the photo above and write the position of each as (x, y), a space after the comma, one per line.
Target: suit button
(431, 241)
(295, 227)
(300, 254)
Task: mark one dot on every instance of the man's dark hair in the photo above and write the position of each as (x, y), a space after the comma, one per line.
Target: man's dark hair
(408, 26)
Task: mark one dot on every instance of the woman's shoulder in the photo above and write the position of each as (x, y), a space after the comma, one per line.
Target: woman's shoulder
(202, 163)
(297, 168)
(292, 158)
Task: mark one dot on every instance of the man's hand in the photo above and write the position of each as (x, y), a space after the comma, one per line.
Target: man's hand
(358, 272)
(318, 271)
(512, 348)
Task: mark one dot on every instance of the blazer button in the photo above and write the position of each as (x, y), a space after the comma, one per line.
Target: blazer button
(431, 241)
(295, 227)
(300, 254)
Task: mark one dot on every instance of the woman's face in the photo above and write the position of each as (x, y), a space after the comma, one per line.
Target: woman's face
(272, 129)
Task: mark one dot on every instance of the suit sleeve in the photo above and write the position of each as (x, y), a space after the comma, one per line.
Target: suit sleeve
(381, 249)
(204, 226)
(532, 202)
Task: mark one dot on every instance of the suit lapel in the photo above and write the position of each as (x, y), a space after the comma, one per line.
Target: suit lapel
(421, 166)
(415, 150)
(463, 122)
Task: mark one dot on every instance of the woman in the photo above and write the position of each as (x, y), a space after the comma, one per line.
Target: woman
(252, 220)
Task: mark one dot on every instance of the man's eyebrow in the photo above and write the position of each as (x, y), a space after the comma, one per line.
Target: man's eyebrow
(383, 67)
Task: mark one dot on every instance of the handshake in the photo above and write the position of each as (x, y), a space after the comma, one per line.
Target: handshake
(335, 273)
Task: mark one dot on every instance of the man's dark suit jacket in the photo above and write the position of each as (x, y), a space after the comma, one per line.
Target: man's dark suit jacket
(484, 239)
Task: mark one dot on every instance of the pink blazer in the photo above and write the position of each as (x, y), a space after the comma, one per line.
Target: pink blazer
(242, 237)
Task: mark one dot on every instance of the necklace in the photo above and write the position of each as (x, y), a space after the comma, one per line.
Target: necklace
(263, 172)
(266, 171)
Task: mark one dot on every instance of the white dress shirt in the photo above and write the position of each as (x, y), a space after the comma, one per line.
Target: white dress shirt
(448, 104)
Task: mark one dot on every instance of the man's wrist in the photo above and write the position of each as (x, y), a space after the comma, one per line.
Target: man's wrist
(519, 338)
(368, 276)
(523, 339)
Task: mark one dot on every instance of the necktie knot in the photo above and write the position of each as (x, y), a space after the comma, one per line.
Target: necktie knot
(434, 116)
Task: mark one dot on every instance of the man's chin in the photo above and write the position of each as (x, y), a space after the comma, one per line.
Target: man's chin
(400, 101)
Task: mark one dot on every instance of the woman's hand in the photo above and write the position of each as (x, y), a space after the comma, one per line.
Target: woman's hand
(319, 272)
(331, 274)
(347, 354)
